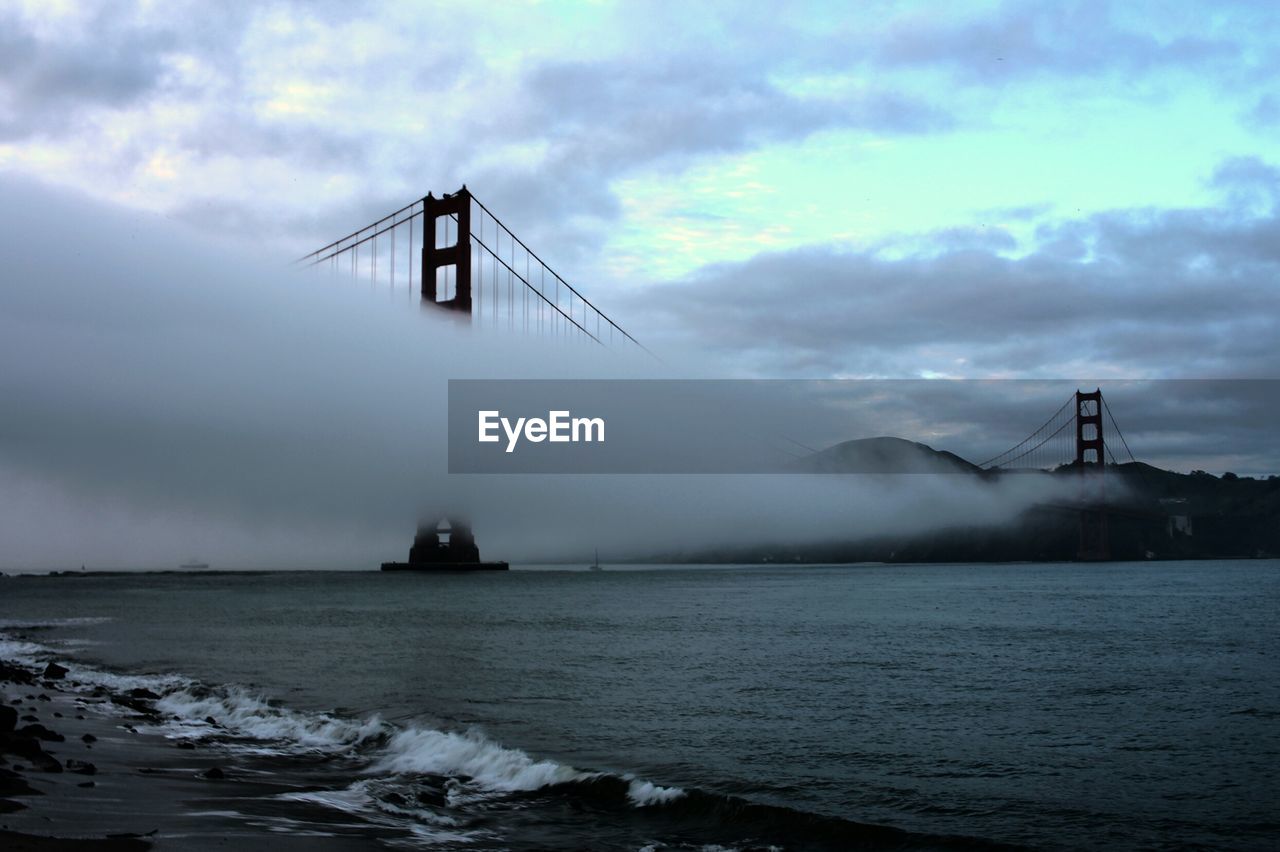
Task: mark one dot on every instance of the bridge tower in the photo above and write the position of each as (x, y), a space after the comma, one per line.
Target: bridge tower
(455, 210)
(1091, 464)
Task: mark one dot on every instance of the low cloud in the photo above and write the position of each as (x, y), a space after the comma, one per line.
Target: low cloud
(161, 396)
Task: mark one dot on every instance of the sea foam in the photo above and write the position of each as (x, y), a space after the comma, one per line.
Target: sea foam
(484, 766)
(492, 766)
(246, 714)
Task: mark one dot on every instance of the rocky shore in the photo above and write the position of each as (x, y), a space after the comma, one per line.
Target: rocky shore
(84, 766)
(39, 760)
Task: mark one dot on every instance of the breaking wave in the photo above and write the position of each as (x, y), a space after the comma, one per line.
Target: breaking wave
(441, 787)
(245, 714)
(238, 719)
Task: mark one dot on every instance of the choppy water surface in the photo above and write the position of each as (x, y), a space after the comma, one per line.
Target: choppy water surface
(1060, 706)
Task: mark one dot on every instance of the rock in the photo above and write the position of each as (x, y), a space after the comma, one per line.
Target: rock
(209, 720)
(137, 705)
(43, 697)
(89, 738)
(81, 767)
(8, 718)
(213, 773)
(29, 749)
(30, 718)
(40, 732)
(53, 671)
(187, 744)
(143, 693)
(11, 784)
(14, 674)
(87, 784)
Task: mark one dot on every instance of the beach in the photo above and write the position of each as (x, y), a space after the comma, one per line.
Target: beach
(87, 768)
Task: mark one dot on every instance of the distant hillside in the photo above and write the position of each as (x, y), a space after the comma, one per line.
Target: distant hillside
(1152, 514)
(884, 455)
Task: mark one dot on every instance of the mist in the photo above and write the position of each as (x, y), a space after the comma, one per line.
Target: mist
(167, 396)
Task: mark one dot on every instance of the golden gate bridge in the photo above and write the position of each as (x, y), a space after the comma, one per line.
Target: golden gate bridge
(462, 259)
(1074, 437)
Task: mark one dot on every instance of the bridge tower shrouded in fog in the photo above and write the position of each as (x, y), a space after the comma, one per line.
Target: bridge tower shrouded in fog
(1091, 465)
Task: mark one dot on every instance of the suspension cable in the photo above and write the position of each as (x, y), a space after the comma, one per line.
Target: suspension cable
(1032, 436)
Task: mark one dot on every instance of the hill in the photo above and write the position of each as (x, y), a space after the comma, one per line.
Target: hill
(884, 455)
(1151, 514)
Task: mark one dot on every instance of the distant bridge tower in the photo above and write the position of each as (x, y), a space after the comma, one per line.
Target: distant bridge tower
(455, 210)
(1091, 464)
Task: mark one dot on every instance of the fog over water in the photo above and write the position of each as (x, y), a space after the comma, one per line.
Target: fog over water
(166, 396)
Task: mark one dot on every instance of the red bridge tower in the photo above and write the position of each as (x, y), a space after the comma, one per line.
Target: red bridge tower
(454, 209)
(1091, 463)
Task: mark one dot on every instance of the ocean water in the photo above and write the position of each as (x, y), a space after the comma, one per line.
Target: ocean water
(1056, 706)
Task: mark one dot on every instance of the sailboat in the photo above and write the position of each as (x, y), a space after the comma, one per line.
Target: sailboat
(595, 566)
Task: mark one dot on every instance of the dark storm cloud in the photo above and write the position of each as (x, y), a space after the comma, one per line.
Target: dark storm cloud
(1176, 293)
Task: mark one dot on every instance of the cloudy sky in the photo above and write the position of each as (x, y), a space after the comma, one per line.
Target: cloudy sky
(886, 189)
(1064, 190)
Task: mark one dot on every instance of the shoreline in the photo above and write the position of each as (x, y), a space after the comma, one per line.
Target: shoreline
(88, 766)
(81, 769)
(15, 574)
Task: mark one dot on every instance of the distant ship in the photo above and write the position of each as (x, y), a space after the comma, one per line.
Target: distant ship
(194, 565)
